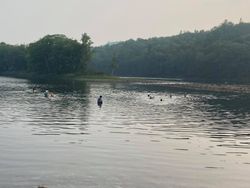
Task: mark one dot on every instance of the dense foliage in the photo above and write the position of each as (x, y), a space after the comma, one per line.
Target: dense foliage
(221, 54)
(12, 58)
(53, 54)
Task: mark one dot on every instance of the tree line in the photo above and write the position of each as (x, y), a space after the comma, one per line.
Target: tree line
(52, 54)
(220, 54)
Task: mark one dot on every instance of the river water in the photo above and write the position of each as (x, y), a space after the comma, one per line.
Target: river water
(201, 140)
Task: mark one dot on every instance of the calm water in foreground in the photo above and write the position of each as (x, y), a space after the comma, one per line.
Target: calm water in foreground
(198, 141)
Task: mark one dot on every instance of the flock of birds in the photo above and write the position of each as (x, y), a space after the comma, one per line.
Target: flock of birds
(170, 96)
(48, 94)
(152, 97)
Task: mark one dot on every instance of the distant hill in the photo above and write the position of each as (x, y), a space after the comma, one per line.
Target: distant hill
(220, 54)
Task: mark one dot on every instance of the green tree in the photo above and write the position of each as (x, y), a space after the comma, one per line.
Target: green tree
(54, 54)
(12, 58)
(86, 52)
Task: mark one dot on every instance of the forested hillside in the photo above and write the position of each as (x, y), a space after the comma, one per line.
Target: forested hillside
(220, 54)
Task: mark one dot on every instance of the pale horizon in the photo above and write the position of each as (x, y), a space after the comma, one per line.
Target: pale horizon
(27, 21)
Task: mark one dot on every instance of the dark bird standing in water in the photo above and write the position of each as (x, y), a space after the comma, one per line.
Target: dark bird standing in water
(99, 101)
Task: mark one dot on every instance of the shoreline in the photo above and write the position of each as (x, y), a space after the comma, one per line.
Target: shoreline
(225, 88)
(173, 83)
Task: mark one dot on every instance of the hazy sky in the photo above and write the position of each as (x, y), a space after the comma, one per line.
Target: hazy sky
(24, 21)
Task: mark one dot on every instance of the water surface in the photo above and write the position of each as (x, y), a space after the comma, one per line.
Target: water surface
(196, 141)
